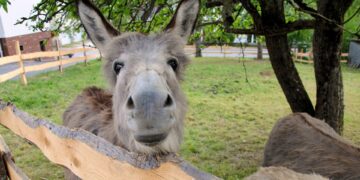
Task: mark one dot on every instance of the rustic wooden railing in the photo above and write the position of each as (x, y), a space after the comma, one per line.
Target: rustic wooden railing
(59, 55)
(8, 169)
(91, 157)
(308, 57)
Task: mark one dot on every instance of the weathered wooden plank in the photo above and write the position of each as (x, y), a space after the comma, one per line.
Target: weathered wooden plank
(91, 157)
(304, 61)
(42, 66)
(90, 49)
(3, 171)
(10, 75)
(93, 56)
(73, 51)
(9, 59)
(303, 54)
(311, 61)
(72, 60)
(12, 171)
(40, 54)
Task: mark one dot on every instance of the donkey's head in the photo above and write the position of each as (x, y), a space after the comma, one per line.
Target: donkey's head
(144, 73)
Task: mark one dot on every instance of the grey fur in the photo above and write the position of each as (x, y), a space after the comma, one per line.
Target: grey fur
(281, 173)
(146, 78)
(308, 145)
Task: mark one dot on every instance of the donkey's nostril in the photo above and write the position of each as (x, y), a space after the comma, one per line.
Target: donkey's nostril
(168, 101)
(130, 103)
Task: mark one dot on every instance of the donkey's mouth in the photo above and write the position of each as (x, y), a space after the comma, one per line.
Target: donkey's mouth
(151, 140)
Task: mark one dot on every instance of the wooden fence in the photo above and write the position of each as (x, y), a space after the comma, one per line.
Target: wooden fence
(226, 50)
(309, 58)
(59, 62)
(8, 169)
(87, 155)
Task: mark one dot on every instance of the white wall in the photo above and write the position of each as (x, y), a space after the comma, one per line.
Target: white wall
(16, 10)
(22, 8)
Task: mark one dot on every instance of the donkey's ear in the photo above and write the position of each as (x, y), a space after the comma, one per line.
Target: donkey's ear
(184, 20)
(96, 26)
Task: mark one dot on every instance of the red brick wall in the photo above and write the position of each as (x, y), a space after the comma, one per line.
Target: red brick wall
(30, 43)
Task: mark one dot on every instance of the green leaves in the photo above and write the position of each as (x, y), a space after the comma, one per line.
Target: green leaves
(125, 15)
(4, 4)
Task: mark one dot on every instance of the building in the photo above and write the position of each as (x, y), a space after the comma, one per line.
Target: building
(10, 33)
(33, 42)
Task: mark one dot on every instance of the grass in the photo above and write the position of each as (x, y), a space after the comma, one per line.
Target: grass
(228, 120)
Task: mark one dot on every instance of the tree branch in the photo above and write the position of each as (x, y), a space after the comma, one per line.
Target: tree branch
(356, 13)
(315, 14)
(300, 4)
(251, 9)
(227, 12)
(213, 3)
(289, 27)
(148, 11)
(300, 25)
(244, 31)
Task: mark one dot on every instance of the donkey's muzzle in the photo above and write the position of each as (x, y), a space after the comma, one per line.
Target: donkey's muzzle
(151, 140)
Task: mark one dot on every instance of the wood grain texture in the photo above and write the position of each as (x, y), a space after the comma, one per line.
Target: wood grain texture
(7, 163)
(10, 75)
(9, 59)
(91, 157)
(73, 51)
(304, 61)
(42, 66)
(73, 60)
(40, 55)
(19, 58)
(93, 56)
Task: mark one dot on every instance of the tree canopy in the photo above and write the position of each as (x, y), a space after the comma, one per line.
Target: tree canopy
(219, 20)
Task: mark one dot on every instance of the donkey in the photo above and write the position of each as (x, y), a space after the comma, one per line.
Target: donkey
(143, 110)
(308, 145)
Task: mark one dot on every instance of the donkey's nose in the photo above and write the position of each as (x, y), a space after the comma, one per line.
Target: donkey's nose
(149, 100)
(130, 103)
(168, 101)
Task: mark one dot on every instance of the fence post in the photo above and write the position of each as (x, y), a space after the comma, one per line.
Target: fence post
(84, 49)
(59, 55)
(3, 172)
(21, 63)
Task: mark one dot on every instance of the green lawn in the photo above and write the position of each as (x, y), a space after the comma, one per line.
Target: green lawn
(228, 120)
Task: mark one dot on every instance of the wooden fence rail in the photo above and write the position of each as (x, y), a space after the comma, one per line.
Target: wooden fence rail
(60, 62)
(8, 169)
(91, 157)
(309, 59)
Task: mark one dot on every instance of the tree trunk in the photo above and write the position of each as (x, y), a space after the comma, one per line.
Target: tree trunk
(327, 49)
(259, 51)
(198, 48)
(272, 18)
(287, 74)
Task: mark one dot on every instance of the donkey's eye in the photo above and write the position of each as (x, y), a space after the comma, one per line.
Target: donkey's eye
(118, 66)
(173, 63)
